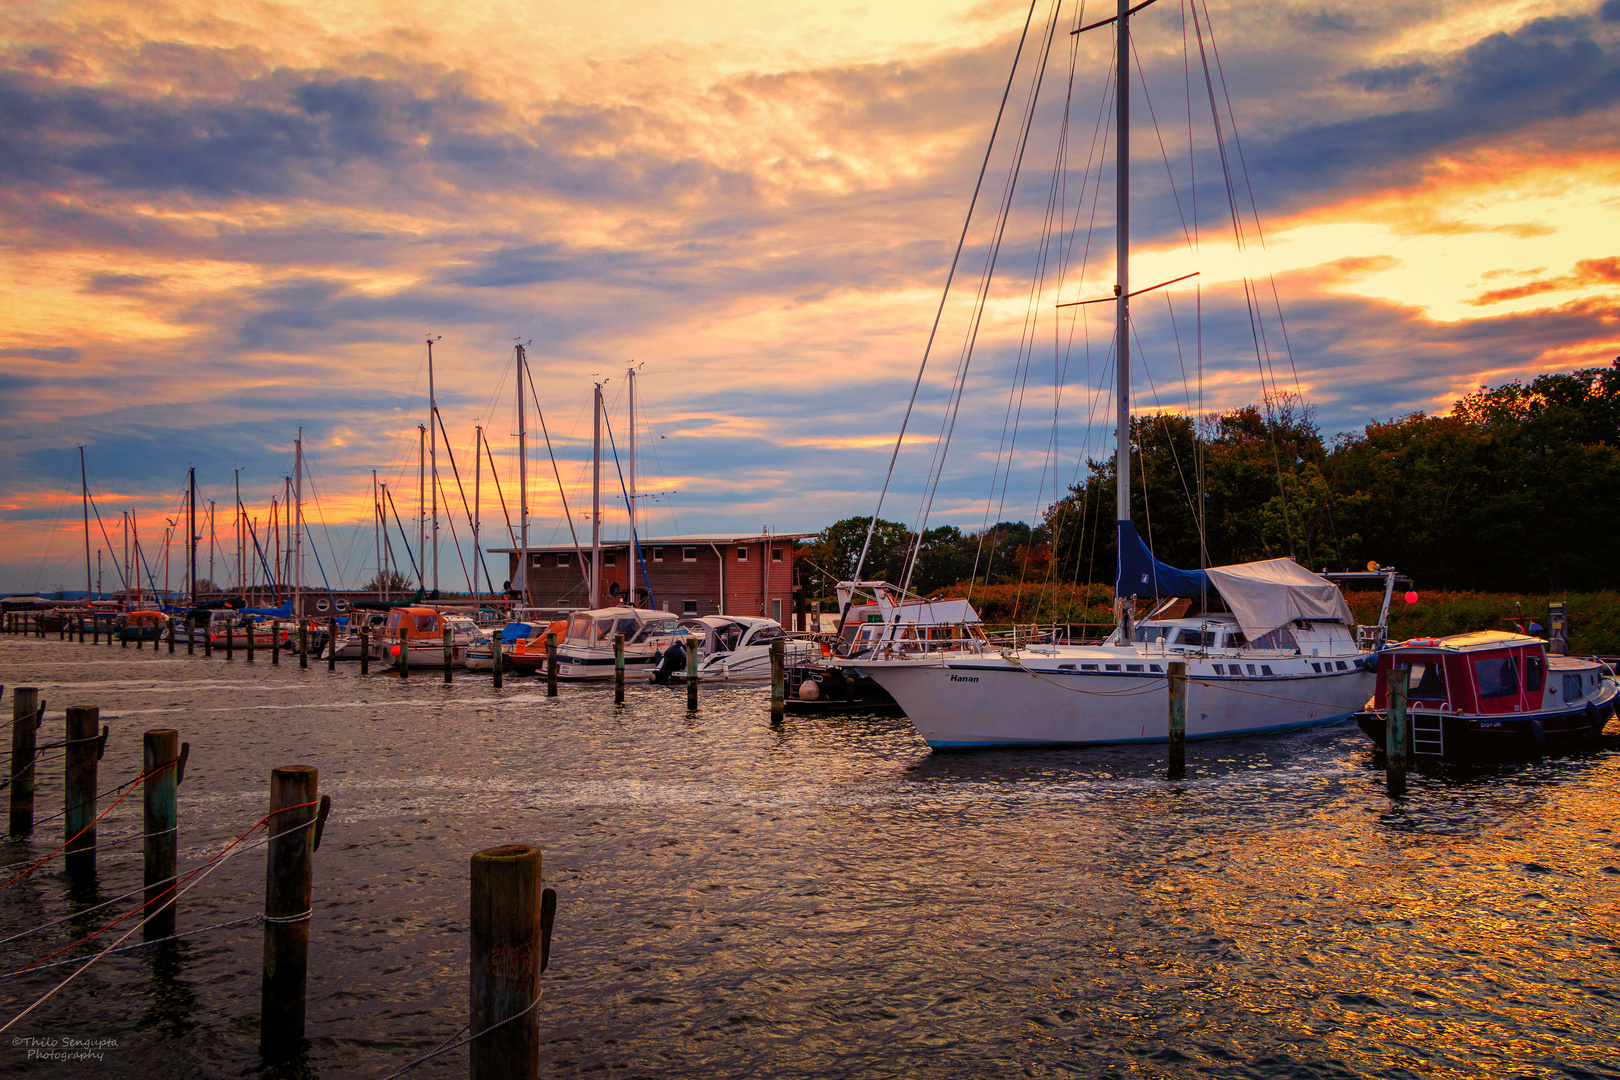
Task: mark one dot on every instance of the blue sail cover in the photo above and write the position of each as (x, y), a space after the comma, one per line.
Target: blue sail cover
(1140, 574)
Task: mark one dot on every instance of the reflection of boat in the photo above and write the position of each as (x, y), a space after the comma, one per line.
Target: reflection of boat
(739, 647)
(586, 651)
(1492, 694)
(423, 629)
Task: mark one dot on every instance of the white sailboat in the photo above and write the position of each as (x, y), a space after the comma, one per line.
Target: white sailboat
(1284, 652)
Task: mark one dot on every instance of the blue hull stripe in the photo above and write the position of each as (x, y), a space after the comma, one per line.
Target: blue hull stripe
(944, 744)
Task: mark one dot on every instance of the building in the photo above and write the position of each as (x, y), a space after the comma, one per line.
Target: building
(686, 575)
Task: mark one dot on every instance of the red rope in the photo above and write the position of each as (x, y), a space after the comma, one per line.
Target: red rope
(87, 828)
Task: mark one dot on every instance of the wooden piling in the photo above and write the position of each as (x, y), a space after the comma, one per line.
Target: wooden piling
(404, 653)
(275, 642)
(1178, 720)
(95, 630)
(81, 629)
(208, 638)
(140, 638)
(449, 655)
(365, 652)
(551, 663)
(25, 706)
(1395, 733)
(503, 973)
(778, 679)
(171, 635)
(288, 884)
(618, 669)
(691, 673)
(252, 640)
(303, 645)
(159, 826)
(191, 636)
(79, 789)
(230, 641)
(495, 659)
(331, 644)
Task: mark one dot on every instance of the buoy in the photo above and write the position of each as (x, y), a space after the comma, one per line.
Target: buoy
(394, 652)
(809, 690)
(1411, 597)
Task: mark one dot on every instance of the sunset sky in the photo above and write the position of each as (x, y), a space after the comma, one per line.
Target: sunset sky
(222, 222)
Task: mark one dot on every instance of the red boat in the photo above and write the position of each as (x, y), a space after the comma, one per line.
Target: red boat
(1492, 694)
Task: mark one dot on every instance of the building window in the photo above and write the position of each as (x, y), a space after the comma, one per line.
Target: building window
(611, 558)
(688, 607)
(658, 554)
(689, 554)
(534, 560)
(562, 560)
(742, 554)
(776, 554)
(776, 610)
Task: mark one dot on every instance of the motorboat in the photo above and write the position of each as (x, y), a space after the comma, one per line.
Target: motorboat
(523, 646)
(347, 644)
(421, 629)
(738, 647)
(586, 650)
(1491, 694)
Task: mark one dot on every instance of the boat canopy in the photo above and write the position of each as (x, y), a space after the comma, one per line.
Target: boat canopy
(516, 631)
(1263, 595)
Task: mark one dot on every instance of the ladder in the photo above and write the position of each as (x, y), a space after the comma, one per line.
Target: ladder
(1428, 735)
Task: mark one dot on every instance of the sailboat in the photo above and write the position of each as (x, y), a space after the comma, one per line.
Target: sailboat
(1274, 647)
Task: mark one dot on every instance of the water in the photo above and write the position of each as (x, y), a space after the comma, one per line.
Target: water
(829, 899)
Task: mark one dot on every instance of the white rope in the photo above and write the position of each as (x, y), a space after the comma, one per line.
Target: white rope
(414, 1062)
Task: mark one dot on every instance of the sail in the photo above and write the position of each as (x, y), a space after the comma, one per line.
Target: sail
(1141, 575)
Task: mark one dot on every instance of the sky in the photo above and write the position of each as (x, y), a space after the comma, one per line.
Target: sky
(221, 223)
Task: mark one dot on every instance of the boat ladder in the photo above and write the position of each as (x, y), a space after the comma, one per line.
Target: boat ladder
(1428, 735)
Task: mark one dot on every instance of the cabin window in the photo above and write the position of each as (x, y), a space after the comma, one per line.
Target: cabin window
(1280, 638)
(1316, 668)
(426, 620)
(689, 554)
(1426, 681)
(579, 627)
(1155, 667)
(688, 607)
(1219, 670)
(563, 559)
(766, 633)
(1497, 676)
(610, 558)
(1535, 672)
(742, 554)
(1133, 667)
(1250, 667)
(776, 553)
(1088, 667)
(1110, 667)
(1235, 639)
(657, 626)
(658, 554)
(1203, 639)
(1339, 665)
(1572, 687)
(1146, 632)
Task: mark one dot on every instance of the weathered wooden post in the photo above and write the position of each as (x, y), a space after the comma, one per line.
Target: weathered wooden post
(778, 679)
(230, 641)
(160, 842)
(95, 629)
(449, 655)
(691, 674)
(365, 652)
(275, 642)
(208, 638)
(331, 644)
(303, 645)
(495, 659)
(551, 663)
(25, 713)
(191, 635)
(252, 640)
(404, 652)
(123, 639)
(1178, 720)
(81, 629)
(1395, 730)
(140, 637)
(503, 972)
(171, 635)
(79, 789)
(618, 669)
(288, 881)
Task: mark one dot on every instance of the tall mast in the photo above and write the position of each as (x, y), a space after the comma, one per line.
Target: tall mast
(211, 576)
(126, 560)
(241, 582)
(1122, 283)
(191, 532)
(421, 507)
(433, 462)
(478, 475)
(388, 548)
(630, 499)
(376, 534)
(596, 496)
(523, 482)
(84, 494)
(298, 525)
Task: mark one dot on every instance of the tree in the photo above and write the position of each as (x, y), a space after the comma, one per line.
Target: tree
(391, 581)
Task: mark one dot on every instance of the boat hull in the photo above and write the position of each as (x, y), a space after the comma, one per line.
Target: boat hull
(964, 704)
(1492, 738)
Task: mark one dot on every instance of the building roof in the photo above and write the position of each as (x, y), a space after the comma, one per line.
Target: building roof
(659, 541)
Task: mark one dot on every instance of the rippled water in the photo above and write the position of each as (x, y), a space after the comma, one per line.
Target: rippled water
(829, 899)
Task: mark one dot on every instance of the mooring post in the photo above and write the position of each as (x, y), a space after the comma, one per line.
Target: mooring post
(25, 710)
(159, 747)
(81, 629)
(503, 973)
(303, 645)
(95, 630)
(208, 638)
(365, 652)
(275, 642)
(140, 637)
(1178, 720)
(79, 789)
(230, 641)
(404, 653)
(331, 644)
(252, 639)
(495, 659)
(691, 673)
(171, 635)
(778, 679)
(449, 655)
(288, 880)
(618, 669)
(1395, 730)
(191, 635)
(551, 663)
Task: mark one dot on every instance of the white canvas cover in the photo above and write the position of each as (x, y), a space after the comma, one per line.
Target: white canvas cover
(1273, 593)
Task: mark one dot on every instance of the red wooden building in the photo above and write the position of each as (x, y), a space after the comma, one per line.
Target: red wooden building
(687, 575)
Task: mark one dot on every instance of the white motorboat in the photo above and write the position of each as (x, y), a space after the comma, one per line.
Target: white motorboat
(738, 647)
(586, 650)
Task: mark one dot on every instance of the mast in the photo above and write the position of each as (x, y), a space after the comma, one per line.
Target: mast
(241, 582)
(478, 476)
(376, 535)
(84, 494)
(1122, 283)
(630, 499)
(298, 525)
(421, 507)
(126, 561)
(191, 531)
(211, 576)
(523, 483)
(433, 462)
(388, 549)
(596, 496)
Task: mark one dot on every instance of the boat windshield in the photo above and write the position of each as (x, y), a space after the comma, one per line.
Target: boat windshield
(579, 627)
(1427, 681)
(606, 628)
(426, 620)
(657, 626)
(765, 633)
(1498, 676)
(1146, 632)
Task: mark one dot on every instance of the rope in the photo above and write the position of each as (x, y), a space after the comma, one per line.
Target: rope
(87, 828)
(245, 921)
(414, 1062)
(99, 795)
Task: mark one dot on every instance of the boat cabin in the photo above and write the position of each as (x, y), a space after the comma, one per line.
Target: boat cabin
(416, 623)
(1486, 673)
(596, 628)
(727, 634)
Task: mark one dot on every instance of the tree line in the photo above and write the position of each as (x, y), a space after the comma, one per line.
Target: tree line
(1516, 489)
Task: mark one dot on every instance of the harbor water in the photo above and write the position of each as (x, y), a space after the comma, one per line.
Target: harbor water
(826, 898)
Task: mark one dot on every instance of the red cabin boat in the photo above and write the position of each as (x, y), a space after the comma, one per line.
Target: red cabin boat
(1492, 694)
